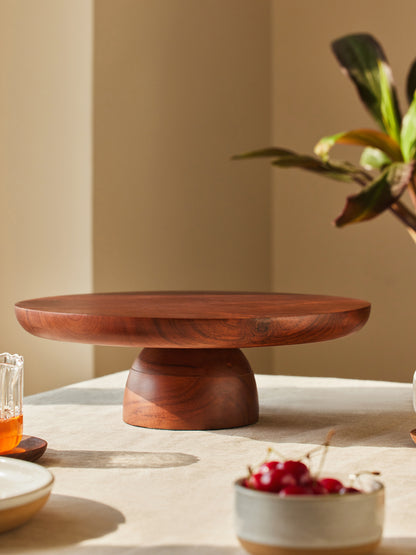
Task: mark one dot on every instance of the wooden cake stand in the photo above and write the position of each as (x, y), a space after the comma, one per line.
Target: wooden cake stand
(191, 375)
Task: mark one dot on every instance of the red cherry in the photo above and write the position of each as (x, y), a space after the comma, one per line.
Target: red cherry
(276, 479)
(343, 491)
(295, 490)
(317, 489)
(270, 465)
(254, 482)
(331, 484)
(299, 470)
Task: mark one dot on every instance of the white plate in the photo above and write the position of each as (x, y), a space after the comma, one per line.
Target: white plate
(24, 489)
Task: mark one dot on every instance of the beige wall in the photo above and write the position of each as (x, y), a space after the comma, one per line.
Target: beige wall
(375, 260)
(180, 86)
(117, 121)
(45, 174)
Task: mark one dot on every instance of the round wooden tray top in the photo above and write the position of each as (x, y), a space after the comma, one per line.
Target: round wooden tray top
(192, 375)
(192, 320)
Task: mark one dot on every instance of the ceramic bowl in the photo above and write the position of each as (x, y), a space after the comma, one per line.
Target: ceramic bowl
(348, 524)
(24, 489)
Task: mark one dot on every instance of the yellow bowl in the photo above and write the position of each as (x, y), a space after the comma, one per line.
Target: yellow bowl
(24, 489)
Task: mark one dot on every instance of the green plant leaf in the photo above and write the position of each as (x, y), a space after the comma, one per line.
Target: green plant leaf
(390, 112)
(271, 152)
(377, 196)
(341, 171)
(374, 159)
(315, 165)
(362, 57)
(408, 132)
(361, 137)
(411, 82)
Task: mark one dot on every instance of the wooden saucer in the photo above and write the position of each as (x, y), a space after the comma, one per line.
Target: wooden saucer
(29, 449)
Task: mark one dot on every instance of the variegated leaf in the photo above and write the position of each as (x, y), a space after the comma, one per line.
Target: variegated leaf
(361, 137)
(378, 196)
(362, 57)
(374, 159)
(408, 132)
(411, 82)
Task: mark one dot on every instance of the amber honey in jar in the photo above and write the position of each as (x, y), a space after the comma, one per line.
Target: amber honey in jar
(11, 400)
(11, 430)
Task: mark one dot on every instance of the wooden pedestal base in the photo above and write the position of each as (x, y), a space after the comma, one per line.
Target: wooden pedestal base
(190, 389)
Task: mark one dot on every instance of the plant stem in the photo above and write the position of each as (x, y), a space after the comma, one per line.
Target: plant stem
(412, 191)
(404, 215)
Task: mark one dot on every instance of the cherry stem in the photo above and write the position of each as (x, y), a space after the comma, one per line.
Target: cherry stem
(272, 450)
(324, 446)
(325, 451)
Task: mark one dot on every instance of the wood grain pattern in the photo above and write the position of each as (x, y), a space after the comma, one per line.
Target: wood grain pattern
(191, 389)
(193, 319)
(191, 374)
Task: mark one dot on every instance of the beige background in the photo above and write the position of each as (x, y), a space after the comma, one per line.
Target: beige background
(374, 260)
(45, 174)
(117, 121)
(179, 87)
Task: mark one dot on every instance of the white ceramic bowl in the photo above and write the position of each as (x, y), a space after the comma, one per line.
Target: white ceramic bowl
(24, 489)
(349, 524)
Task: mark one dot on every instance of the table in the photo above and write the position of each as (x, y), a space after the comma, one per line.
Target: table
(122, 490)
(192, 374)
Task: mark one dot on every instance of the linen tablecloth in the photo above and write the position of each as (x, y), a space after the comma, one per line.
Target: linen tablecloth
(125, 490)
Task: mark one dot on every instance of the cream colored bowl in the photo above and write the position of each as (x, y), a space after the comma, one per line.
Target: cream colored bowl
(349, 524)
(24, 489)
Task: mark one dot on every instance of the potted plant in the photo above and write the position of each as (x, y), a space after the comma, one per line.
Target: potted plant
(387, 164)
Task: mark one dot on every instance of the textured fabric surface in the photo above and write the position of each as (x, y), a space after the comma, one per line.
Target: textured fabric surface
(125, 490)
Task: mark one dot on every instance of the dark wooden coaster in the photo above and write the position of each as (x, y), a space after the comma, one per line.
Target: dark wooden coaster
(29, 449)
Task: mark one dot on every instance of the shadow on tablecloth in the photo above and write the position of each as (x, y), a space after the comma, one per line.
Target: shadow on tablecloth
(156, 550)
(78, 396)
(65, 520)
(115, 459)
(397, 546)
(377, 417)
